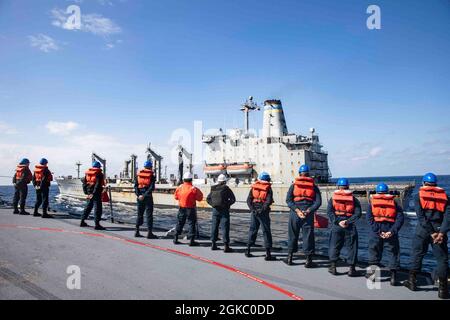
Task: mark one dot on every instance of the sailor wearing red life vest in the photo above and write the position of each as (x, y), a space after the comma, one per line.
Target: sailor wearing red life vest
(93, 184)
(433, 215)
(343, 211)
(385, 218)
(304, 199)
(259, 200)
(22, 177)
(187, 196)
(144, 186)
(42, 179)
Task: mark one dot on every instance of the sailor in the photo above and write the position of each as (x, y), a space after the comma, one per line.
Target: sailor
(304, 199)
(21, 179)
(221, 198)
(259, 201)
(433, 215)
(144, 186)
(187, 196)
(93, 184)
(343, 211)
(385, 218)
(42, 179)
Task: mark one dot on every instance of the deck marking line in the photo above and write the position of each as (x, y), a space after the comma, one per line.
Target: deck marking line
(177, 252)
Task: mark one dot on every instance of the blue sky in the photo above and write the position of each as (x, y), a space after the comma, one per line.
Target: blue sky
(137, 70)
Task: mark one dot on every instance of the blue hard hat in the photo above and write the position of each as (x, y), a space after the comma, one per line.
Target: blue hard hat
(304, 168)
(43, 162)
(264, 176)
(148, 164)
(96, 164)
(343, 182)
(382, 188)
(24, 162)
(430, 178)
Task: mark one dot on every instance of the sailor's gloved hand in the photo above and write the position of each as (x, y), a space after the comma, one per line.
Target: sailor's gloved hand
(89, 197)
(343, 224)
(141, 198)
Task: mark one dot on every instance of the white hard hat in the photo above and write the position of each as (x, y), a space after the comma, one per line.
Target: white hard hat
(188, 176)
(222, 178)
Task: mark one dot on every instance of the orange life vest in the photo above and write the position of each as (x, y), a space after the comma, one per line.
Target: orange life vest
(383, 208)
(343, 203)
(21, 170)
(260, 190)
(145, 177)
(39, 172)
(91, 176)
(433, 198)
(304, 189)
(188, 195)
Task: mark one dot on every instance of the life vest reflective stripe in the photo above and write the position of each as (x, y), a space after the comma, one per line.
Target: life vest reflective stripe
(343, 203)
(260, 191)
(384, 208)
(304, 189)
(23, 170)
(91, 176)
(433, 198)
(145, 177)
(188, 195)
(40, 171)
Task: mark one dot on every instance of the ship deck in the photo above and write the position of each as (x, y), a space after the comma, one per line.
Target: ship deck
(35, 254)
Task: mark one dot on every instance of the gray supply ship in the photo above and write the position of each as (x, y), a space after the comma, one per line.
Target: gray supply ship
(241, 155)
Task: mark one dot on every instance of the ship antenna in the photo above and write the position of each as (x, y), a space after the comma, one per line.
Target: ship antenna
(247, 107)
(78, 164)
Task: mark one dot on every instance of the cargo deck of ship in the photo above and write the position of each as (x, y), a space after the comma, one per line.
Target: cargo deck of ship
(36, 253)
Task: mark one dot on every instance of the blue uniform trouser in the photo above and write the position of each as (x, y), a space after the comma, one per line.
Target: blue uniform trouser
(420, 245)
(20, 197)
(97, 201)
(377, 246)
(189, 214)
(42, 199)
(257, 220)
(145, 206)
(307, 226)
(343, 236)
(220, 217)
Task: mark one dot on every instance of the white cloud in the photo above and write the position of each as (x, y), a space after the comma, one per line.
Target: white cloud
(43, 43)
(374, 152)
(61, 128)
(7, 129)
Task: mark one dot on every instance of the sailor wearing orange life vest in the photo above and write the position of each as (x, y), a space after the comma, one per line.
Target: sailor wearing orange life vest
(143, 188)
(187, 196)
(433, 215)
(42, 179)
(385, 218)
(93, 185)
(259, 200)
(22, 177)
(304, 199)
(343, 211)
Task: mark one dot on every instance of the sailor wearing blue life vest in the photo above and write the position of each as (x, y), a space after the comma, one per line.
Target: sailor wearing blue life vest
(144, 186)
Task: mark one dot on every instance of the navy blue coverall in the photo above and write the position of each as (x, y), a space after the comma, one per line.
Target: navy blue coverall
(260, 216)
(96, 200)
(42, 191)
(392, 244)
(307, 224)
(221, 213)
(339, 236)
(146, 205)
(429, 222)
(21, 190)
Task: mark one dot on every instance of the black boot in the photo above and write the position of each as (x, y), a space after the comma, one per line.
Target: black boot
(137, 234)
(24, 213)
(351, 271)
(175, 239)
(332, 268)
(309, 262)
(289, 259)
(248, 253)
(227, 248)
(269, 256)
(83, 224)
(394, 278)
(16, 211)
(36, 213)
(99, 227)
(411, 283)
(214, 246)
(193, 243)
(150, 235)
(45, 215)
(443, 288)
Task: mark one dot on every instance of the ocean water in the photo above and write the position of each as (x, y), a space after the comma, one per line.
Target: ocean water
(166, 219)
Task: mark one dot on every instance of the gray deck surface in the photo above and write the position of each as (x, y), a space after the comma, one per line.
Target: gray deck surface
(33, 264)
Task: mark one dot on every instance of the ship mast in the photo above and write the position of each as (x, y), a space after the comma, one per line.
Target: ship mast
(247, 107)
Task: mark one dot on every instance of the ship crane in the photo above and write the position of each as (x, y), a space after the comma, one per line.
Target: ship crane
(96, 157)
(247, 107)
(183, 152)
(156, 159)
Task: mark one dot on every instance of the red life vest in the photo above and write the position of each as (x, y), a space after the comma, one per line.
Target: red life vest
(39, 172)
(188, 195)
(260, 190)
(343, 203)
(433, 198)
(145, 177)
(304, 189)
(91, 176)
(23, 170)
(383, 208)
